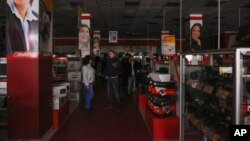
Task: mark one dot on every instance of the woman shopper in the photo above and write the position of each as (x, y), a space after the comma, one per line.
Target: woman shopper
(88, 74)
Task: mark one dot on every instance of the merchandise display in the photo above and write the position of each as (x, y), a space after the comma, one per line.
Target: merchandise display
(161, 92)
(210, 92)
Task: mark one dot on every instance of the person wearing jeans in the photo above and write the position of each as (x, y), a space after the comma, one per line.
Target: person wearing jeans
(88, 74)
(133, 69)
(111, 73)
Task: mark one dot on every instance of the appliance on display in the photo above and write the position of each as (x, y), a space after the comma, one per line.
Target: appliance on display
(75, 86)
(59, 91)
(74, 65)
(58, 102)
(160, 77)
(67, 84)
(3, 88)
(74, 76)
(74, 96)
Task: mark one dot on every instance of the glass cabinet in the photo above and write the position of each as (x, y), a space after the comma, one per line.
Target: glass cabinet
(214, 93)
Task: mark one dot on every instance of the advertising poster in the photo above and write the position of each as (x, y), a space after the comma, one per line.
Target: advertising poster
(195, 32)
(22, 37)
(168, 45)
(45, 26)
(96, 42)
(113, 35)
(84, 34)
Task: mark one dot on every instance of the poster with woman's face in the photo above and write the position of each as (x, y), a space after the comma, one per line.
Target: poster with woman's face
(22, 26)
(84, 40)
(84, 34)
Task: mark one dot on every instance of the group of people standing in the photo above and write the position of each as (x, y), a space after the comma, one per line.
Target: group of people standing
(120, 72)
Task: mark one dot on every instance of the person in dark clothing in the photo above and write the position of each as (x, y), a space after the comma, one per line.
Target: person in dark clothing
(133, 69)
(21, 27)
(125, 70)
(111, 72)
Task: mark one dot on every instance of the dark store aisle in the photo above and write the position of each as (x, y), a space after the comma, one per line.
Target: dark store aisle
(104, 124)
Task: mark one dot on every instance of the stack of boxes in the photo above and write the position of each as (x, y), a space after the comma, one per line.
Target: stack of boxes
(74, 78)
(61, 89)
(60, 93)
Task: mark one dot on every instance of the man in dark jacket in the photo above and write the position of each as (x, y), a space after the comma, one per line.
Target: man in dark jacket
(111, 72)
(133, 69)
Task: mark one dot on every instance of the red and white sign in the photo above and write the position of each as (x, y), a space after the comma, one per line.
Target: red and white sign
(85, 19)
(195, 18)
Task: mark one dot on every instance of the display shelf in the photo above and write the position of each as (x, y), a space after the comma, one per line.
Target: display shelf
(204, 129)
(217, 88)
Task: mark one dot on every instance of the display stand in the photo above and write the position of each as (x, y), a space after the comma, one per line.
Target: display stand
(158, 104)
(29, 95)
(162, 128)
(213, 92)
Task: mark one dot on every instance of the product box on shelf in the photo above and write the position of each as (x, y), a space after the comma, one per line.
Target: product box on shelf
(67, 84)
(3, 60)
(74, 96)
(74, 65)
(75, 86)
(160, 77)
(58, 102)
(74, 76)
(3, 87)
(59, 91)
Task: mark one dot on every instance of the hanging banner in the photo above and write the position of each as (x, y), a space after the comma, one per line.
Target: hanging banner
(195, 19)
(113, 35)
(45, 26)
(168, 45)
(22, 37)
(195, 30)
(84, 34)
(96, 42)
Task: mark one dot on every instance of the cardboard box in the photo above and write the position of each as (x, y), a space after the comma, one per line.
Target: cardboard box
(3, 88)
(75, 86)
(67, 84)
(74, 96)
(59, 91)
(160, 77)
(74, 76)
(58, 102)
(74, 65)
